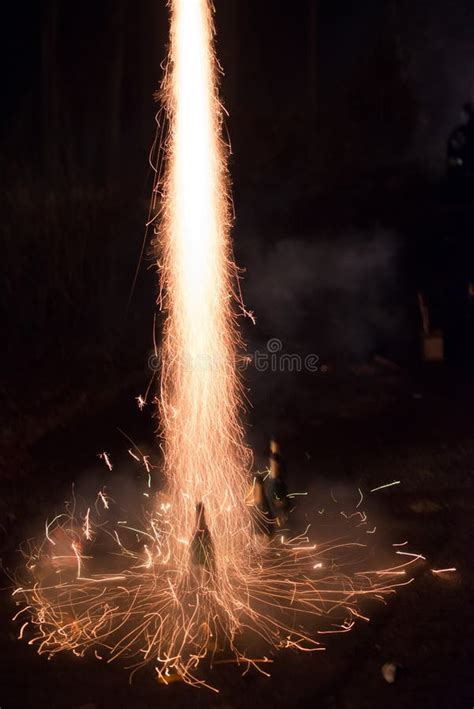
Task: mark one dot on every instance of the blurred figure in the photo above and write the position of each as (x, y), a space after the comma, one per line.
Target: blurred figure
(460, 151)
(262, 516)
(278, 493)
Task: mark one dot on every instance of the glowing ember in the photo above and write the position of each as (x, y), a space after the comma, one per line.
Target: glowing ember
(194, 579)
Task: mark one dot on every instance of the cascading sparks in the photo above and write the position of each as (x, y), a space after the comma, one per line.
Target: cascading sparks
(205, 458)
(104, 580)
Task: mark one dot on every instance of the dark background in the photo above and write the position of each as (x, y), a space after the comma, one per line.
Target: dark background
(339, 114)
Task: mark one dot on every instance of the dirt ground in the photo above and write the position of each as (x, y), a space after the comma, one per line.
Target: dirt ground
(359, 428)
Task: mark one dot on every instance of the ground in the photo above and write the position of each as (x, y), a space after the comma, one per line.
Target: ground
(350, 427)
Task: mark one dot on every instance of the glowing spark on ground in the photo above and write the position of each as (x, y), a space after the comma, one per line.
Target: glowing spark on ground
(87, 525)
(106, 458)
(104, 499)
(382, 487)
(22, 629)
(415, 556)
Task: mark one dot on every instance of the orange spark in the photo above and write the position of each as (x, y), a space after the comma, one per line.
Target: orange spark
(106, 458)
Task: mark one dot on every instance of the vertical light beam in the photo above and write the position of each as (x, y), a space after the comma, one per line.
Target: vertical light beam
(205, 458)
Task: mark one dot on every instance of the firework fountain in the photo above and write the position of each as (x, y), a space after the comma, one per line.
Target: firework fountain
(205, 458)
(191, 584)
